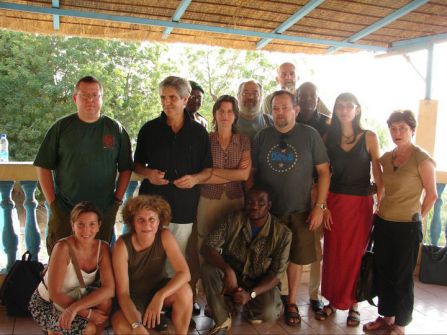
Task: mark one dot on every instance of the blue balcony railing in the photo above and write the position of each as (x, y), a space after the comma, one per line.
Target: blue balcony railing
(24, 173)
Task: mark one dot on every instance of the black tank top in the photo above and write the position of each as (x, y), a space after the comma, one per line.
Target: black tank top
(351, 169)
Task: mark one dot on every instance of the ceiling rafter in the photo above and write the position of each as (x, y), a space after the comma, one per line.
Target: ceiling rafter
(180, 25)
(306, 9)
(382, 22)
(181, 9)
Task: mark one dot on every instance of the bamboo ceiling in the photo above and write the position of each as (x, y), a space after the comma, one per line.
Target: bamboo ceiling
(239, 23)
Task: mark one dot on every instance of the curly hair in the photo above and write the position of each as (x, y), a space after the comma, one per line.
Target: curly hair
(149, 202)
(85, 207)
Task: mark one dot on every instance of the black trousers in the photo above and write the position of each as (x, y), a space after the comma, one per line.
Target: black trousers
(396, 247)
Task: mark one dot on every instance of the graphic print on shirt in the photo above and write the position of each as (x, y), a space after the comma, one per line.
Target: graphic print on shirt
(282, 157)
(108, 141)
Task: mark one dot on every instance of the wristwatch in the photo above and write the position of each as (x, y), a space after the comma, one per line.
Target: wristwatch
(253, 294)
(322, 206)
(136, 324)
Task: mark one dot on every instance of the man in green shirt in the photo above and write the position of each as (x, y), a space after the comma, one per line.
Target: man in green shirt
(78, 161)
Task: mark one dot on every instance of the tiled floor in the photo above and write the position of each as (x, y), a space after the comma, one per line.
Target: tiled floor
(430, 317)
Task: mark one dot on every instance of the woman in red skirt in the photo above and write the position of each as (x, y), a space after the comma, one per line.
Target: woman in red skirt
(348, 220)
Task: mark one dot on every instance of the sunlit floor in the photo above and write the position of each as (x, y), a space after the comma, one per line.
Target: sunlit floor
(429, 317)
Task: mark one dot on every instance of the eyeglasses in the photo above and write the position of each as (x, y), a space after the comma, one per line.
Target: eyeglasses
(282, 142)
(84, 96)
(250, 94)
(348, 106)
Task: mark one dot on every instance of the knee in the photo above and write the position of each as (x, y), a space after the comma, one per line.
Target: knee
(105, 306)
(184, 295)
(90, 329)
(269, 312)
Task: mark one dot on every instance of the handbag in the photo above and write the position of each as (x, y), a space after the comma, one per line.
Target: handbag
(433, 265)
(78, 292)
(365, 288)
(19, 285)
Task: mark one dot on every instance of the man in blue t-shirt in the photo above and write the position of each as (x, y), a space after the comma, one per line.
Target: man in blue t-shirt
(284, 158)
(78, 161)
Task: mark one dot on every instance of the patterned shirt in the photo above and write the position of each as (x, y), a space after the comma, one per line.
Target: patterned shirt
(226, 159)
(252, 258)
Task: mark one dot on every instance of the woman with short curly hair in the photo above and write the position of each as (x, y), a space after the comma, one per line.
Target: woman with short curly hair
(142, 285)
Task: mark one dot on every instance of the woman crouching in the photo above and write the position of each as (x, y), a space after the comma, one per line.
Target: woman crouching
(139, 257)
(54, 304)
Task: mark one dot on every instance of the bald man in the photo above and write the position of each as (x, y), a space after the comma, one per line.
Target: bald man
(287, 78)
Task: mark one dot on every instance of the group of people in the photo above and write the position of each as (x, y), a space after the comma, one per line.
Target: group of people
(242, 208)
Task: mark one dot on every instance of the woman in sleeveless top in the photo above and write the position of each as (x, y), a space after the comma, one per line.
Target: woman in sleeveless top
(408, 173)
(352, 151)
(142, 285)
(89, 314)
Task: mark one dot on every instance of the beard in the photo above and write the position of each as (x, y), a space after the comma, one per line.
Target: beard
(289, 86)
(250, 110)
(281, 123)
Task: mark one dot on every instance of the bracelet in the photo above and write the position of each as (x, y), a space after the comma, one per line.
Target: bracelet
(89, 313)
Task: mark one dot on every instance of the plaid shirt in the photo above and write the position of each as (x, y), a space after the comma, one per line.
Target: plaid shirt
(252, 258)
(226, 159)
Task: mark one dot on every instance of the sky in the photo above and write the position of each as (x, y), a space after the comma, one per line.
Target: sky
(382, 84)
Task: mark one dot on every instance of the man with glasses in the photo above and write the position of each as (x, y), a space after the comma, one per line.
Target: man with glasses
(284, 158)
(251, 120)
(78, 161)
(195, 102)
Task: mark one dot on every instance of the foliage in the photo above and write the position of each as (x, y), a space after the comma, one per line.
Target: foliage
(38, 73)
(220, 71)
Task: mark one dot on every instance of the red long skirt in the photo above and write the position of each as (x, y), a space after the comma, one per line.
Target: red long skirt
(344, 246)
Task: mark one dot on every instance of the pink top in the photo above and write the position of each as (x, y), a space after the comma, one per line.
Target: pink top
(226, 159)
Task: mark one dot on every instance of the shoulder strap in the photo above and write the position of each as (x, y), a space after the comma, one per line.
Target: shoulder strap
(76, 266)
(99, 249)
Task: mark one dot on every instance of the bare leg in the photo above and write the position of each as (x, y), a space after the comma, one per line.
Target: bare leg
(293, 278)
(181, 302)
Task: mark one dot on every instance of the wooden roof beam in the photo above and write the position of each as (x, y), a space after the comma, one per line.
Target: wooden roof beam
(306, 9)
(181, 9)
(180, 25)
(382, 23)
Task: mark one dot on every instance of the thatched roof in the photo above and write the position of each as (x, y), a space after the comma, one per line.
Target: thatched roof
(316, 25)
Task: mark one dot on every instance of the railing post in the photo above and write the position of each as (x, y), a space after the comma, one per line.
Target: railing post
(9, 236)
(133, 184)
(32, 232)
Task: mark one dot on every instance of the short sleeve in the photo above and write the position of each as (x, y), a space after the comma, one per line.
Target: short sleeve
(125, 155)
(47, 155)
(422, 155)
(319, 151)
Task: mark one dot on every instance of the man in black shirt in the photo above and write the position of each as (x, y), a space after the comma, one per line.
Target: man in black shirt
(173, 156)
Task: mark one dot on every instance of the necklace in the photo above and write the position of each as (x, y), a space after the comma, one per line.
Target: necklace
(348, 139)
(398, 160)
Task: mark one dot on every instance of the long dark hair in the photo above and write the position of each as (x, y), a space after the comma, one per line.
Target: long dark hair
(218, 103)
(334, 133)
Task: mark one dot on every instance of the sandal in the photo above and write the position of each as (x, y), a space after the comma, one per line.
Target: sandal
(377, 324)
(353, 319)
(292, 315)
(324, 313)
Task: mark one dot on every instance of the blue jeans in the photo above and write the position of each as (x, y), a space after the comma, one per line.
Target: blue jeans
(435, 225)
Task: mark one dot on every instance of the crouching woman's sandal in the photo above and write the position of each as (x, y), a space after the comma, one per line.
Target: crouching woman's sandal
(292, 315)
